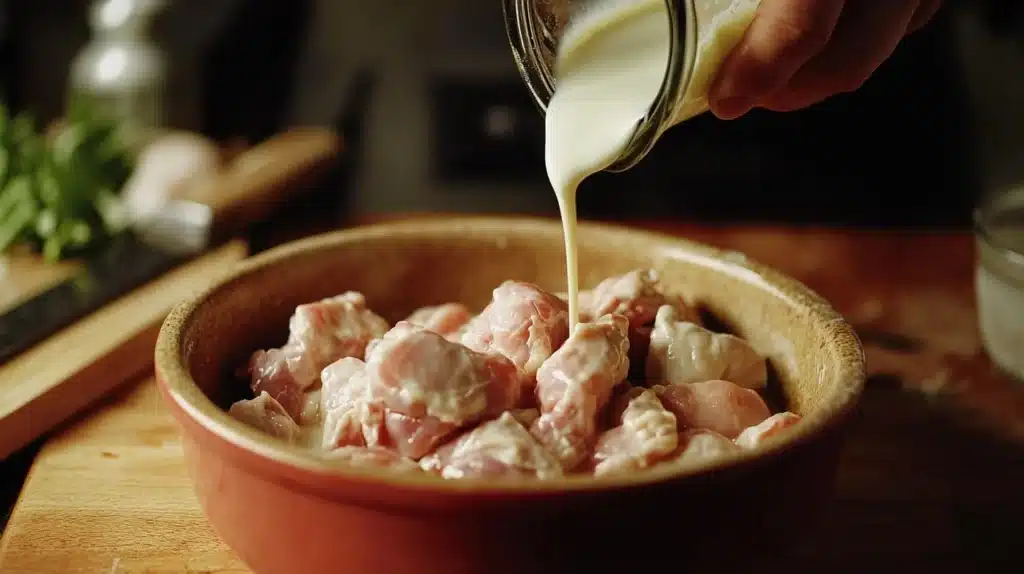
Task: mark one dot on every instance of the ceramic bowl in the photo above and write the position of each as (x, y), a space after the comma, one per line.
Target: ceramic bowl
(286, 511)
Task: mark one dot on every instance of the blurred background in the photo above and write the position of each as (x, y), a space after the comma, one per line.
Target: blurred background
(436, 118)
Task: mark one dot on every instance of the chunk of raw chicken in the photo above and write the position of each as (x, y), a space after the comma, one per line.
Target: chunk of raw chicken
(353, 418)
(332, 329)
(373, 457)
(634, 295)
(271, 372)
(420, 373)
(428, 387)
(720, 406)
(684, 352)
(498, 448)
(646, 435)
(575, 384)
(753, 436)
(447, 320)
(320, 333)
(522, 322)
(344, 403)
(410, 436)
(637, 296)
(700, 446)
(356, 413)
(266, 414)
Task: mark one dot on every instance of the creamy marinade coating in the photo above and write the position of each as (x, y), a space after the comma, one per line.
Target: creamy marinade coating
(610, 66)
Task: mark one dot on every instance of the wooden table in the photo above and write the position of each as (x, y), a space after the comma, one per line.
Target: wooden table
(932, 479)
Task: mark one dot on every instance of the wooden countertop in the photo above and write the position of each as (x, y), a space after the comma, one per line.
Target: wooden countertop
(931, 479)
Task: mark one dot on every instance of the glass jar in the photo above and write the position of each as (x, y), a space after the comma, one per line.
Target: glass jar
(534, 28)
(999, 279)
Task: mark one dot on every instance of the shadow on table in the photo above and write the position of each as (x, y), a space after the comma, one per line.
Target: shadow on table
(919, 491)
(12, 477)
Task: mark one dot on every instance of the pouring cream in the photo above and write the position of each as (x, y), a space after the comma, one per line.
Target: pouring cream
(611, 62)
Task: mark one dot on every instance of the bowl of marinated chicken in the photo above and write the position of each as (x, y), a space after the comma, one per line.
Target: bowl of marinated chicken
(414, 397)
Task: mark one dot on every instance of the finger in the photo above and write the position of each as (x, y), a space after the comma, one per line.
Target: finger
(783, 36)
(848, 61)
(925, 12)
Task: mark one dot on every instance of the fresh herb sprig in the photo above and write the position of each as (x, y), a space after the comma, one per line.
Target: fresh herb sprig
(61, 195)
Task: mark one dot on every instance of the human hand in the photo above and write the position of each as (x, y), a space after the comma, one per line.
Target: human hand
(799, 52)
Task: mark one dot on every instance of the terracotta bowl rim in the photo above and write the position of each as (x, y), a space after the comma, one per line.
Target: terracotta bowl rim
(187, 398)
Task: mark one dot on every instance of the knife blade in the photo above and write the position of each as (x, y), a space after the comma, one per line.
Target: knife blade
(246, 192)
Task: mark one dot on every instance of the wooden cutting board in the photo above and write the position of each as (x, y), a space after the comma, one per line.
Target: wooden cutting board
(110, 495)
(60, 376)
(57, 378)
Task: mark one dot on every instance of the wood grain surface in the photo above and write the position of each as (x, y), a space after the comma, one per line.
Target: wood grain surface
(53, 380)
(930, 482)
(111, 495)
(23, 274)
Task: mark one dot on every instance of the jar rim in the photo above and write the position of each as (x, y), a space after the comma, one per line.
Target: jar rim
(520, 30)
(984, 217)
(524, 39)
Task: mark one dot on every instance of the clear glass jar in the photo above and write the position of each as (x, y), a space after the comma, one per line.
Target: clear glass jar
(999, 279)
(534, 28)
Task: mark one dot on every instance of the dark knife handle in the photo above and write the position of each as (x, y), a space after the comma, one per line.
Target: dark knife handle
(263, 177)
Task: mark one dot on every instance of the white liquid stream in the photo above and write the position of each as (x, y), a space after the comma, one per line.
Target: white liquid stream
(610, 65)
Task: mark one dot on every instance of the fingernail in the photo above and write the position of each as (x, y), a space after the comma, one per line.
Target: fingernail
(732, 108)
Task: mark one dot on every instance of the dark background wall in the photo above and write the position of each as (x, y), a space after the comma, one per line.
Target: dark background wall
(437, 119)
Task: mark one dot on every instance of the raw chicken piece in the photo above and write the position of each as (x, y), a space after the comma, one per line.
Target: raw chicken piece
(373, 457)
(446, 320)
(753, 436)
(355, 418)
(320, 333)
(415, 390)
(344, 397)
(575, 384)
(266, 414)
(420, 373)
(637, 296)
(498, 448)
(699, 446)
(522, 322)
(332, 329)
(412, 437)
(634, 295)
(430, 386)
(271, 372)
(720, 406)
(684, 352)
(647, 434)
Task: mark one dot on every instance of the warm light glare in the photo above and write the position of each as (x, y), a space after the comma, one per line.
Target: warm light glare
(111, 64)
(115, 12)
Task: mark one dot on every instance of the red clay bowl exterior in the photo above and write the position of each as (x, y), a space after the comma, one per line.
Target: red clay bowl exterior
(286, 511)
